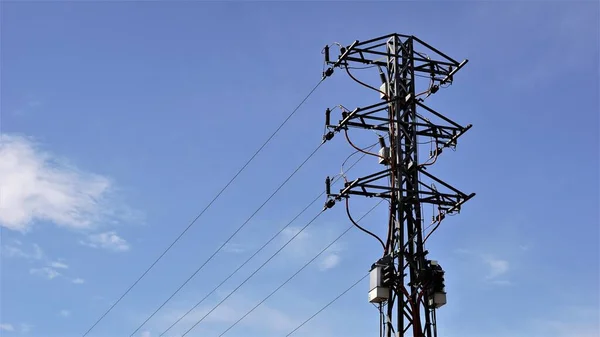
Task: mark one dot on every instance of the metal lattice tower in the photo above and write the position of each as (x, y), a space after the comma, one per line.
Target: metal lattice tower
(407, 285)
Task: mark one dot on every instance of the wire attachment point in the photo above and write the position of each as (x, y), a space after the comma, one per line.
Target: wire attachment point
(329, 204)
(328, 72)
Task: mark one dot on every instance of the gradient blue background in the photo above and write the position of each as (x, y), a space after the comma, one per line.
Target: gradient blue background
(169, 99)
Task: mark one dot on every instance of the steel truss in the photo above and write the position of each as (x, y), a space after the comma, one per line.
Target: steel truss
(402, 114)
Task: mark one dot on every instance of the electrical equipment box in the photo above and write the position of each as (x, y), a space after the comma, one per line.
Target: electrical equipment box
(437, 300)
(384, 155)
(438, 297)
(377, 293)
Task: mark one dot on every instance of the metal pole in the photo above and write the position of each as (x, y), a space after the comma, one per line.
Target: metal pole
(416, 280)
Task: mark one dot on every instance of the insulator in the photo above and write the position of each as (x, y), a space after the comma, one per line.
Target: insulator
(382, 76)
(327, 116)
(382, 142)
(328, 186)
(330, 203)
(328, 136)
(326, 51)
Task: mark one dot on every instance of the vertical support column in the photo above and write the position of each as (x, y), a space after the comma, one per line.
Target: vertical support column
(415, 277)
(396, 218)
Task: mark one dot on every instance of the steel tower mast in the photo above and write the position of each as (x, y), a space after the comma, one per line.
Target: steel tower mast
(407, 285)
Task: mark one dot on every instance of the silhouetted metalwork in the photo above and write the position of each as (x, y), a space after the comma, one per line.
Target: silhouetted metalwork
(404, 282)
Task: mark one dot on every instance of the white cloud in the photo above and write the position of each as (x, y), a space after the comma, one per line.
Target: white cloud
(331, 258)
(145, 334)
(235, 248)
(497, 267)
(16, 250)
(6, 327)
(59, 265)
(43, 265)
(25, 328)
(46, 272)
(290, 232)
(308, 243)
(107, 240)
(463, 251)
(64, 313)
(36, 185)
(329, 261)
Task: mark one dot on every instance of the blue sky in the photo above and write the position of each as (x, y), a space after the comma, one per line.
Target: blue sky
(121, 121)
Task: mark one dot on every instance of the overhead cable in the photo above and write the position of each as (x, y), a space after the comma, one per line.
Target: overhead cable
(228, 239)
(327, 305)
(253, 273)
(204, 210)
(360, 227)
(299, 270)
(256, 252)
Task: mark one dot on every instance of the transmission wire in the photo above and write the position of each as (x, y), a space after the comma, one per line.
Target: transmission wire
(327, 305)
(255, 253)
(254, 273)
(229, 239)
(206, 208)
(298, 271)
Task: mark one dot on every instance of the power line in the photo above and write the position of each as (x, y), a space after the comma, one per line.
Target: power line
(327, 305)
(256, 252)
(253, 273)
(205, 208)
(229, 238)
(299, 270)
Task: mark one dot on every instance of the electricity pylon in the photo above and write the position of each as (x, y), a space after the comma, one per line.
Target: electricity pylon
(407, 285)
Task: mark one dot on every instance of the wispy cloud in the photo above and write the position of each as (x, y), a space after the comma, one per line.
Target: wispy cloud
(43, 265)
(23, 328)
(59, 265)
(279, 321)
(78, 281)
(17, 250)
(45, 272)
(331, 258)
(497, 267)
(573, 321)
(290, 232)
(26, 328)
(309, 243)
(64, 313)
(234, 248)
(330, 261)
(6, 327)
(37, 185)
(107, 240)
(28, 105)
